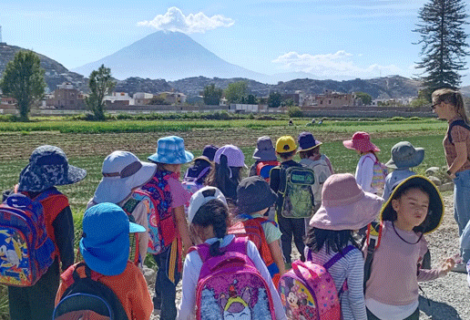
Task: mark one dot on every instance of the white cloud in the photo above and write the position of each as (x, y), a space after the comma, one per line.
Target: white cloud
(175, 20)
(338, 66)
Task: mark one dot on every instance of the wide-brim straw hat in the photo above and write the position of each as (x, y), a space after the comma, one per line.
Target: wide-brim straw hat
(405, 155)
(48, 167)
(436, 205)
(345, 206)
(122, 172)
(361, 142)
(170, 150)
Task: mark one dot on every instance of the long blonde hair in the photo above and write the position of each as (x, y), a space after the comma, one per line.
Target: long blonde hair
(452, 97)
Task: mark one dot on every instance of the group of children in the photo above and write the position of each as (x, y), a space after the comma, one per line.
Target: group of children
(143, 207)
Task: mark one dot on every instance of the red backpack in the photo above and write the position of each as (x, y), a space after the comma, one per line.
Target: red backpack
(264, 167)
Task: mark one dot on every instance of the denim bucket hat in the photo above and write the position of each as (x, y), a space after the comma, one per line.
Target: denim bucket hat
(48, 167)
(264, 150)
(404, 155)
(105, 240)
(254, 194)
(307, 141)
(122, 172)
(170, 150)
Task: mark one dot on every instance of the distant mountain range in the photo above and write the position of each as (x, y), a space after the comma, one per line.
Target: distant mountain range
(138, 77)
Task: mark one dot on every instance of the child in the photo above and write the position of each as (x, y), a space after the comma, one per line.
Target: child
(105, 250)
(48, 167)
(286, 150)
(365, 168)
(202, 165)
(309, 152)
(171, 197)
(265, 157)
(229, 162)
(208, 217)
(255, 197)
(122, 173)
(415, 207)
(345, 208)
(404, 157)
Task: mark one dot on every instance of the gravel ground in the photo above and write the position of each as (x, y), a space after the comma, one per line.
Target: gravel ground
(446, 298)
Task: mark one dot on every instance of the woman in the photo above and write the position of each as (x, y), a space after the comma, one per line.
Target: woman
(448, 104)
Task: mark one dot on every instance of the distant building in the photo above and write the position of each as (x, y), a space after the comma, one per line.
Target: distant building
(330, 99)
(66, 97)
(142, 98)
(298, 97)
(120, 97)
(8, 101)
(173, 97)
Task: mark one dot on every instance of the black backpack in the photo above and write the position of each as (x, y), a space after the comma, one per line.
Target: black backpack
(88, 295)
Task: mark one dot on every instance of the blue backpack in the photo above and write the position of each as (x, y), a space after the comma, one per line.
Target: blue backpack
(26, 251)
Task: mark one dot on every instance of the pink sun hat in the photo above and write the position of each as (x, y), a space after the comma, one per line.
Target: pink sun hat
(361, 142)
(344, 205)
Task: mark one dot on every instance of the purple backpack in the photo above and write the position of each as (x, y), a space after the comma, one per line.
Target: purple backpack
(308, 291)
(230, 286)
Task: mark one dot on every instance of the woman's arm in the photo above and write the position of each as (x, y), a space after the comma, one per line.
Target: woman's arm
(462, 156)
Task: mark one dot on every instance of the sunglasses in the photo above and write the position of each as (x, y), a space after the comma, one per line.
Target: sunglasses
(435, 105)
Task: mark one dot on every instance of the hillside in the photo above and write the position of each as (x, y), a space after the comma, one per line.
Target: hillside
(55, 74)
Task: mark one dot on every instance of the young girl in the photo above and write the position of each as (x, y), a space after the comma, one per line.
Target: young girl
(208, 216)
(414, 208)
(345, 208)
(255, 197)
(172, 197)
(229, 162)
(365, 168)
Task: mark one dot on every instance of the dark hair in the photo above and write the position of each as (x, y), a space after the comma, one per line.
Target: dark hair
(452, 97)
(219, 177)
(214, 213)
(285, 155)
(397, 195)
(334, 240)
(309, 153)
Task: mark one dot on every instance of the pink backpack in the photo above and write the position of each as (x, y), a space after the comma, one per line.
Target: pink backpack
(230, 286)
(308, 291)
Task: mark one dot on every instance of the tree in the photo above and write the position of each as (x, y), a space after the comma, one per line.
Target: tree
(212, 95)
(23, 79)
(443, 42)
(365, 97)
(101, 83)
(274, 100)
(251, 99)
(236, 92)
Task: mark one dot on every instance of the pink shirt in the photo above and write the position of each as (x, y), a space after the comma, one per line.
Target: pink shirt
(394, 273)
(179, 196)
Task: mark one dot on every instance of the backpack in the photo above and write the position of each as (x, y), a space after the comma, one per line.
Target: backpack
(156, 196)
(87, 298)
(322, 172)
(308, 291)
(264, 167)
(295, 196)
(253, 229)
(373, 237)
(26, 250)
(230, 286)
(191, 183)
(134, 254)
(379, 174)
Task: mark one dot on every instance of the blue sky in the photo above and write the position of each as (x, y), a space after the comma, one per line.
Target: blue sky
(331, 39)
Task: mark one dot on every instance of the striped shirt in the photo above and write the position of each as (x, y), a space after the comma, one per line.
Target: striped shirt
(350, 268)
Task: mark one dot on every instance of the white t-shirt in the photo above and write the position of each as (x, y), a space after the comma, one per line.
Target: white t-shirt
(192, 269)
(365, 172)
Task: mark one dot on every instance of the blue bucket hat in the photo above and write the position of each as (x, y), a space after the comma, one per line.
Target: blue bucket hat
(307, 141)
(170, 150)
(404, 155)
(105, 241)
(48, 167)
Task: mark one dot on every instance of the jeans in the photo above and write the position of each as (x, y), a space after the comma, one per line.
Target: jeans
(462, 206)
(168, 277)
(36, 302)
(414, 316)
(291, 227)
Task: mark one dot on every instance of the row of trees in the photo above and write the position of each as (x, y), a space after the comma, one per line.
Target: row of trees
(444, 49)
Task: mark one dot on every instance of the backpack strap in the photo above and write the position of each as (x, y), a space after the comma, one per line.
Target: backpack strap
(130, 206)
(373, 237)
(338, 256)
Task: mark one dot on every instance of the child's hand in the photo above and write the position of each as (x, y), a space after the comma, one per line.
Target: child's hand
(448, 264)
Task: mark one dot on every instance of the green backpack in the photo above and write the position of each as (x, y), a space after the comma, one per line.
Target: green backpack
(295, 196)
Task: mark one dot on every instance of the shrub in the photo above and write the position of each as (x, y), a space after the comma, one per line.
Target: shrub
(295, 112)
(397, 119)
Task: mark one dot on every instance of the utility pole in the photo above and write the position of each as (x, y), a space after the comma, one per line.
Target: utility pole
(1, 34)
